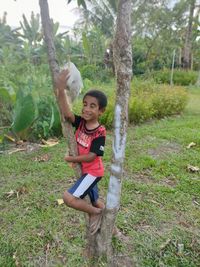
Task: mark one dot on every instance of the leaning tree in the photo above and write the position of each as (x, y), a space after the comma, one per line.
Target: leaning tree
(100, 243)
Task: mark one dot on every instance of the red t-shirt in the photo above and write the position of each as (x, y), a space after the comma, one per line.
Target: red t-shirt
(90, 141)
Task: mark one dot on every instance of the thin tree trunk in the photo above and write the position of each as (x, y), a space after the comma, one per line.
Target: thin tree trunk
(172, 69)
(186, 63)
(101, 243)
(66, 126)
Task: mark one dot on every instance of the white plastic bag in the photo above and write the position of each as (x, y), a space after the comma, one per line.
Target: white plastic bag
(74, 83)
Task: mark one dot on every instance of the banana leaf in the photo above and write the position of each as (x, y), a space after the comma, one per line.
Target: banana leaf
(25, 112)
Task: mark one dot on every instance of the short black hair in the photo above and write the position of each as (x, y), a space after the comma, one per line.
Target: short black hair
(99, 95)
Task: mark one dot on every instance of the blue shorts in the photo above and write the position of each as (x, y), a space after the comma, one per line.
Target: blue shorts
(86, 185)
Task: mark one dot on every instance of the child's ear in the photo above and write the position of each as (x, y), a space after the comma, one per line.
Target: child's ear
(101, 111)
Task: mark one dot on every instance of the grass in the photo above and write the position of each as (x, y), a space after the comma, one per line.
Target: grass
(160, 204)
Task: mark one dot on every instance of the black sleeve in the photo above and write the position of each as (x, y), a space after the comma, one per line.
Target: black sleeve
(97, 145)
(77, 121)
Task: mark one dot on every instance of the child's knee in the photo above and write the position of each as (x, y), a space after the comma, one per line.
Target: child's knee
(68, 198)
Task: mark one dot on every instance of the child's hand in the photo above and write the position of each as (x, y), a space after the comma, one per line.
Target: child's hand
(61, 80)
(69, 159)
(72, 164)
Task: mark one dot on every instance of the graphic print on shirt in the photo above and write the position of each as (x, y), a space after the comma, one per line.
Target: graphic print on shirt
(83, 139)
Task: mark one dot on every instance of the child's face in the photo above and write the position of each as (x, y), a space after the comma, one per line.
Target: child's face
(90, 110)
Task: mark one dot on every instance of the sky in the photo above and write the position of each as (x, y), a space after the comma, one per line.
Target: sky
(59, 10)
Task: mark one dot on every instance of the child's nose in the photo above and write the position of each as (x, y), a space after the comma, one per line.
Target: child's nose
(86, 108)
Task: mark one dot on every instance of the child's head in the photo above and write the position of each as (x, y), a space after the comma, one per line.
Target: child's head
(100, 97)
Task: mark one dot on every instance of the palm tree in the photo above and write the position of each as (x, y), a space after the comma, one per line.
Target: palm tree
(100, 13)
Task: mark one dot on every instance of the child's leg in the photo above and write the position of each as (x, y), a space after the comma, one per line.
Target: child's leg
(74, 197)
(95, 219)
(80, 204)
(94, 197)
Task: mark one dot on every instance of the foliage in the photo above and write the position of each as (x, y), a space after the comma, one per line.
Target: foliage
(24, 113)
(48, 121)
(180, 77)
(168, 101)
(95, 73)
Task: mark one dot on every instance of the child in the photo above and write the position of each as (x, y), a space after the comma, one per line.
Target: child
(90, 138)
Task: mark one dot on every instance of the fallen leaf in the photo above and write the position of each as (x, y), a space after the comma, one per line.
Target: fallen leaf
(196, 203)
(180, 248)
(16, 150)
(155, 202)
(49, 142)
(10, 193)
(9, 137)
(191, 145)
(42, 158)
(20, 142)
(60, 201)
(16, 259)
(22, 190)
(192, 168)
(163, 246)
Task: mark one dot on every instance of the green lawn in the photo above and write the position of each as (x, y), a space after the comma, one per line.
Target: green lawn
(160, 206)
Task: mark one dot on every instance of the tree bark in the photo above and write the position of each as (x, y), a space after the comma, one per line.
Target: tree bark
(186, 60)
(66, 126)
(101, 243)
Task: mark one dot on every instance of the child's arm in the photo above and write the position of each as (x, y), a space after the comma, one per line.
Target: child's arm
(61, 86)
(81, 158)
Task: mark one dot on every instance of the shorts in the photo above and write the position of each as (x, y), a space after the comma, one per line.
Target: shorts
(86, 185)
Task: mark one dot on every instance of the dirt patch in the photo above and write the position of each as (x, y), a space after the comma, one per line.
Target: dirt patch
(164, 150)
(27, 147)
(146, 177)
(122, 260)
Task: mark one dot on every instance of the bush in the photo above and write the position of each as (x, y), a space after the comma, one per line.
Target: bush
(140, 109)
(169, 101)
(95, 73)
(150, 100)
(180, 77)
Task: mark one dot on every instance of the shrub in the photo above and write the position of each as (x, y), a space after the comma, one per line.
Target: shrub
(108, 116)
(95, 72)
(180, 77)
(140, 109)
(168, 101)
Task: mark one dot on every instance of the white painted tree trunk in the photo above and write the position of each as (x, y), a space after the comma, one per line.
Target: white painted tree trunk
(101, 243)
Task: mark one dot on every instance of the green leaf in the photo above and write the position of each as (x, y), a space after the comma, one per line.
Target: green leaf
(56, 116)
(4, 94)
(8, 94)
(52, 118)
(24, 113)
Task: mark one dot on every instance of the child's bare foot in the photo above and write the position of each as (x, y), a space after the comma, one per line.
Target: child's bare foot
(95, 222)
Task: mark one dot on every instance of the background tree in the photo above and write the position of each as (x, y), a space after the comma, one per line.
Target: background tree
(187, 50)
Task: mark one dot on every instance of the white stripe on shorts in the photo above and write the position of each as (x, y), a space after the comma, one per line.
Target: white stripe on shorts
(85, 184)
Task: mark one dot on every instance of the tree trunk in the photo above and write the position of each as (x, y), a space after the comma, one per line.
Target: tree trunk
(66, 126)
(186, 60)
(101, 243)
